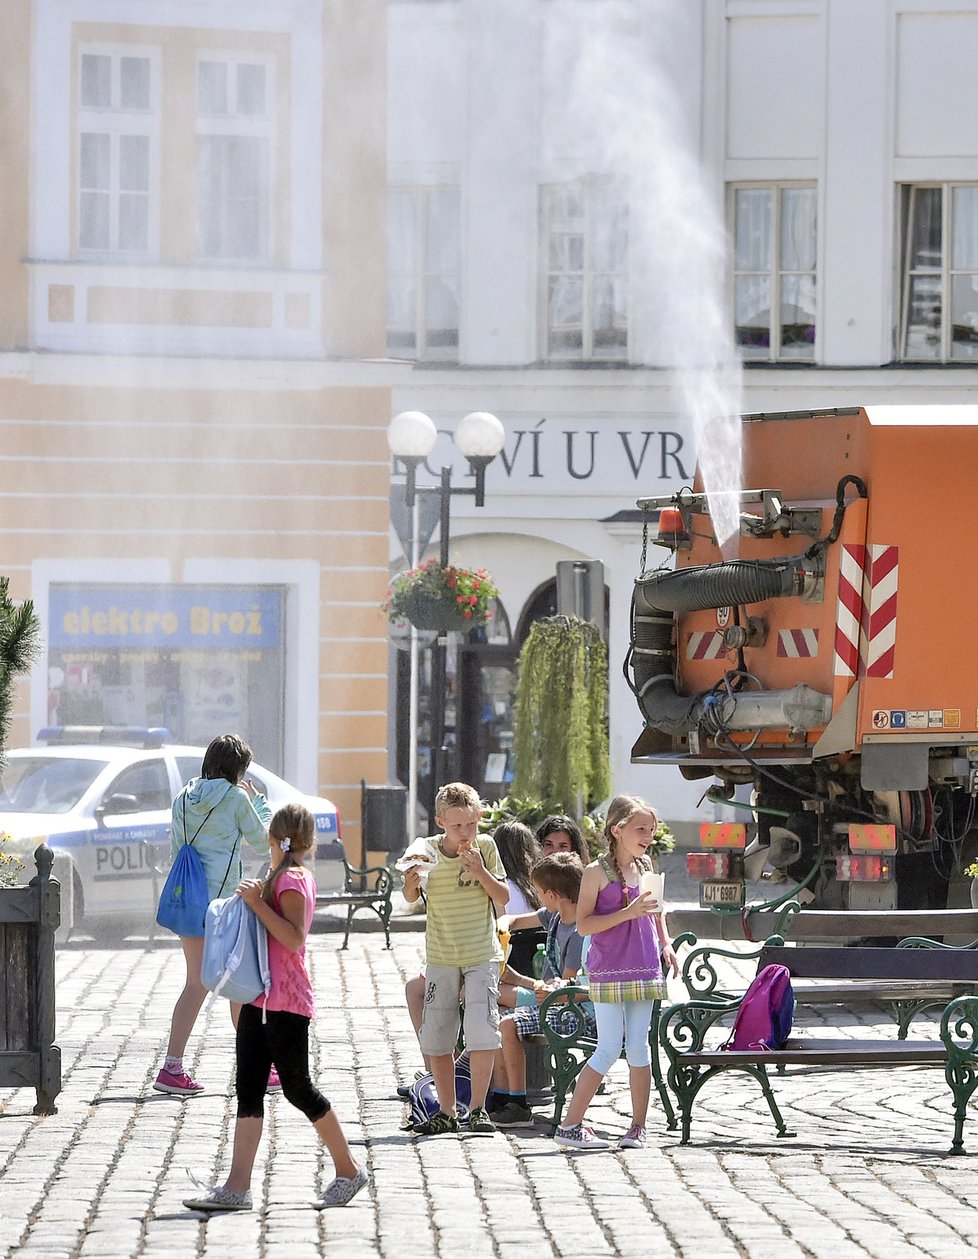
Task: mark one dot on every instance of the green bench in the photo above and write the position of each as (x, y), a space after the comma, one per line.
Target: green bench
(920, 969)
(702, 980)
(358, 894)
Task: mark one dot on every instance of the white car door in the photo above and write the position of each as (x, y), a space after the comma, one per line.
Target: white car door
(131, 840)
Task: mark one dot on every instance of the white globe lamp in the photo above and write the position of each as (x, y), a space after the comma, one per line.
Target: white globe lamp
(480, 436)
(411, 435)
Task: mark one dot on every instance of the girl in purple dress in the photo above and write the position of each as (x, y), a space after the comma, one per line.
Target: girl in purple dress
(624, 965)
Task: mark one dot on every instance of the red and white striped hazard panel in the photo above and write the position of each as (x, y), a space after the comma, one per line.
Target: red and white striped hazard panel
(865, 623)
(798, 644)
(705, 645)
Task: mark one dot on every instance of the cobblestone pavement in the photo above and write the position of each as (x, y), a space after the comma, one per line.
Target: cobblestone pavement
(866, 1175)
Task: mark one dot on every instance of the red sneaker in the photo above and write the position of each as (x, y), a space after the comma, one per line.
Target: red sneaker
(181, 1084)
(274, 1083)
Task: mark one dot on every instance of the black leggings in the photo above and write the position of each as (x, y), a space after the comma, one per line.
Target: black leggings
(283, 1040)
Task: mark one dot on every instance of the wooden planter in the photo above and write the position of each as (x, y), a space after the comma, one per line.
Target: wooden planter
(29, 917)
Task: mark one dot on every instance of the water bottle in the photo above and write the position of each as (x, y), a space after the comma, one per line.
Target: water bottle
(539, 961)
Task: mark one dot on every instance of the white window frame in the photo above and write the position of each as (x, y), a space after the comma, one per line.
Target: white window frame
(945, 272)
(117, 122)
(420, 275)
(774, 273)
(588, 186)
(249, 126)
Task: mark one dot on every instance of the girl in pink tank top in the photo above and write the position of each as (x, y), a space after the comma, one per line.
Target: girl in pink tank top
(279, 1034)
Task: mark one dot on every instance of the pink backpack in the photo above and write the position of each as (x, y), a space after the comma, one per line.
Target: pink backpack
(766, 1012)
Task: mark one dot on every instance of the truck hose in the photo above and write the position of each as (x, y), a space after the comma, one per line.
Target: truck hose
(652, 657)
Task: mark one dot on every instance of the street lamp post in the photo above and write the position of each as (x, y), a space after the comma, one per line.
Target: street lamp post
(411, 437)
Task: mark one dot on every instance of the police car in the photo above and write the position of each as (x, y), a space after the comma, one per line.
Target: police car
(100, 798)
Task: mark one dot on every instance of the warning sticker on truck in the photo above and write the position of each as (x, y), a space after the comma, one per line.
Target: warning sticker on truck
(916, 718)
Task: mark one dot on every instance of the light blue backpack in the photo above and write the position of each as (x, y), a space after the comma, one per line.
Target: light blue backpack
(235, 963)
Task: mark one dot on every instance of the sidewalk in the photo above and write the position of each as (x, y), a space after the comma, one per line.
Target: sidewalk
(105, 1177)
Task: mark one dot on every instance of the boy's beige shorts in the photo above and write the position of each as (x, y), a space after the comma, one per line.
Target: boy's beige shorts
(477, 989)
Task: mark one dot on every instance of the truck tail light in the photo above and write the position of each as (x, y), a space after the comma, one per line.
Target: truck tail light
(862, 869)
(871, 838)
(723, 835)
(708, 865)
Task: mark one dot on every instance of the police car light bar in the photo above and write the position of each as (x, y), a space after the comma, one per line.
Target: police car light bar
(119, 736)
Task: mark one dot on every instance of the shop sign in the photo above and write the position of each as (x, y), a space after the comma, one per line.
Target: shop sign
(557, 455)
(163, 617)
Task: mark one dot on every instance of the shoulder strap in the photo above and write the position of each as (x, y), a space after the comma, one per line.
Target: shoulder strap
(607, 869)
(234, 846)
(199, 828)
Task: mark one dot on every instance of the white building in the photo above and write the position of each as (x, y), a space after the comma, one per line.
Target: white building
(563, 177)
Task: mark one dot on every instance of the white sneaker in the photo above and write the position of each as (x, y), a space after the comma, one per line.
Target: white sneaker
(634, 1138)
(580, 1137)
(341, 1190)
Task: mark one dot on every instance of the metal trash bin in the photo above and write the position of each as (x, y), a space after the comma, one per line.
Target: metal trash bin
(383, 826)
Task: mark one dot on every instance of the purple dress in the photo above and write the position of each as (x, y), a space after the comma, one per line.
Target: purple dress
(623, 962)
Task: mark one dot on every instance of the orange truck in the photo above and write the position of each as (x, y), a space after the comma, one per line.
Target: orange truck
(825, 676)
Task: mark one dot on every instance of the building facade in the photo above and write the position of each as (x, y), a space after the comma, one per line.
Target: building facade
(196, 478)
(593, 204)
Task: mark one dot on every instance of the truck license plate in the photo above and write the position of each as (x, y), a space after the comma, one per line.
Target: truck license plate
(722, 894)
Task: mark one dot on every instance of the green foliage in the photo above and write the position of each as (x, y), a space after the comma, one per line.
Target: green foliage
(11, 865)
(20, 632)
(516, 809)
(561, 739)
(592, 827)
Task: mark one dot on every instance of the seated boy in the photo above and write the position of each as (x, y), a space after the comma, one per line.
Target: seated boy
(557, 880)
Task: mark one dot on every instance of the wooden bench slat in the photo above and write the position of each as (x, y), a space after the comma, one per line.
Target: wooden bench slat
(819, 1052)
(934, 965)
(830, 924)
(831, 992)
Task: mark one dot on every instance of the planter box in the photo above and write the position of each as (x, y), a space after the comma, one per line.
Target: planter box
(29, 917)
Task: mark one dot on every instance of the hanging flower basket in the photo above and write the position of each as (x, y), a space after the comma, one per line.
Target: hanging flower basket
(436, 598)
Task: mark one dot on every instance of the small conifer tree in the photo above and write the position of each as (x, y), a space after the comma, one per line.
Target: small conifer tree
(20, 642)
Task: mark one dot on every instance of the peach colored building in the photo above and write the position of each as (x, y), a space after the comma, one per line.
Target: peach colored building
(194, 477)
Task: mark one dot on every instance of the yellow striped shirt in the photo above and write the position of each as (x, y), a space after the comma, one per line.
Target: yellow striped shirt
(461, 927)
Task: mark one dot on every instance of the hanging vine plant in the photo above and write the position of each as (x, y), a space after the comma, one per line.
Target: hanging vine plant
(561, 737)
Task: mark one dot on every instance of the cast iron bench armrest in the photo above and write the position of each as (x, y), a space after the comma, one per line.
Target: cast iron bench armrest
(569, 1050)
(355, 898)
(699, 973)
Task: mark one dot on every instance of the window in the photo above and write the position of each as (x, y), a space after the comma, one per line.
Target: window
(424, 261)
(117, 152)
(234, 176)
(147, 782)
(939, 307)
(585, 244)
(774, 271)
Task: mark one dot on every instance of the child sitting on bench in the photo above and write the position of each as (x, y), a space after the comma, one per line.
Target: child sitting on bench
(557, 880)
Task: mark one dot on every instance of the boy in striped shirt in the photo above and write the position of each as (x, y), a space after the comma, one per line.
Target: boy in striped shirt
(463, 955)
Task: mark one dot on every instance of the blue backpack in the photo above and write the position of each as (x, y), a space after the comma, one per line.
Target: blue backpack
(235, 962)
(766, 1012)
(183, 901)
(423, 1100)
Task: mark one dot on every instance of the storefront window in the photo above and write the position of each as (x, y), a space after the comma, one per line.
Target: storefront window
(199, 660)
